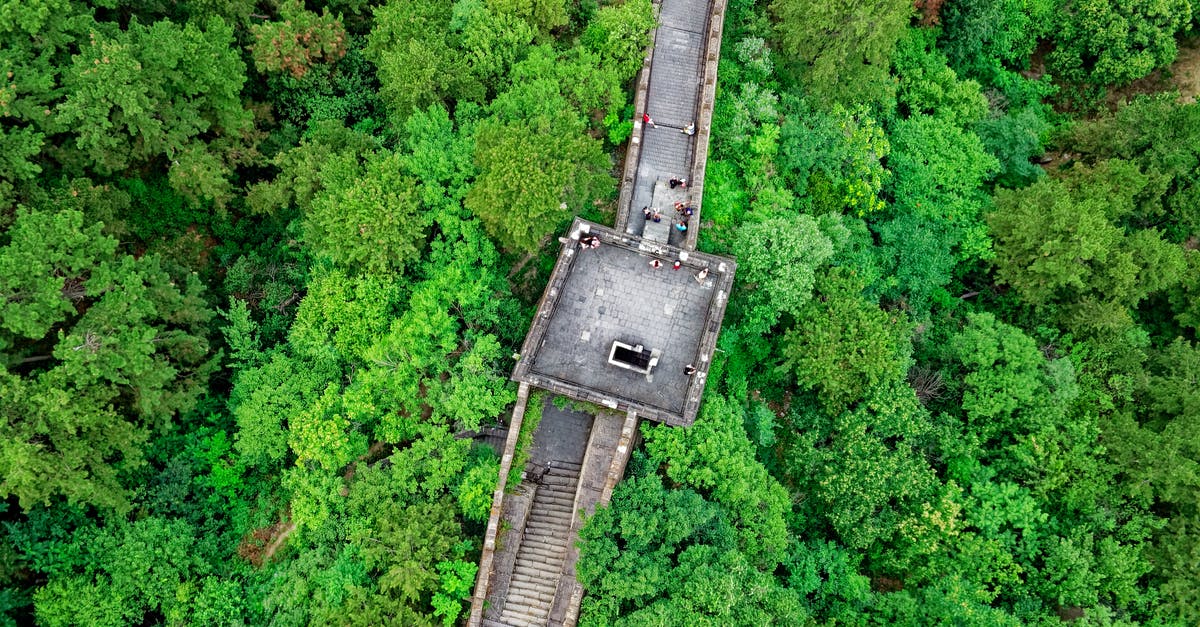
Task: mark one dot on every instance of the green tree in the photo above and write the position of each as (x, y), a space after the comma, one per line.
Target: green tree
(938, 174)
(659, 556)
(1059, 242)
(1161, 135)
(368, 218)
(131, 101)
(265, 398)
(532, 173)
(863, 470)
(100, 349)
(1007, 381)
(1102, 43)
(121, 574)
(835, 158)
(985, 38)
(38, 38)
(492, 41)
(843, 47)
(927, 85)
(301, 175)
(778, 259)
(299, 40)
(343, 315)
(842, 344)
(715, 458)
(545, 15)
(1015, 138)
(418, 61)
(441, 359)
(620, 34)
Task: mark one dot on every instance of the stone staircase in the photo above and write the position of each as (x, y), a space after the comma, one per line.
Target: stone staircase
(539, 564)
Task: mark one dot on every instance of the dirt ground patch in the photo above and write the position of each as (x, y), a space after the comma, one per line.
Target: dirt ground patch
(260, 546)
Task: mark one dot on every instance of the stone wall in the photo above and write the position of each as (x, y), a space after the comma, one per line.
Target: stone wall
(487, 557)
(640, 94)
(708, 94)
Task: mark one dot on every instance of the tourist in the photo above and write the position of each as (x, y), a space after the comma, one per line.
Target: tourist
(688, 211)
(648, 120)
(678, 264)
(689, 370)
(682, 226)
(655, 215)
(655, 264)
(700, 276)
(690, 129)
(677, 183)
(646, 212)
(678, 207)
(590, 241)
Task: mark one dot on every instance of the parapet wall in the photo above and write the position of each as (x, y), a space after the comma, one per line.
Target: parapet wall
(708, 95)
(487, 557)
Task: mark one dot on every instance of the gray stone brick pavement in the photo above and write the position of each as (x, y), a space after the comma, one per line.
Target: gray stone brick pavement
(684, 14)
(613, 294)
(676, 74)
(667, 153)
(675, 77)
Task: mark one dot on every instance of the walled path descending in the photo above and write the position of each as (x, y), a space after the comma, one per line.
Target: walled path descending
(527, 568)
(676, 90)
(552, 477)
(672, 98)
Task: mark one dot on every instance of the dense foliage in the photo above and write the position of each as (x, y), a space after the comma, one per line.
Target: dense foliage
(263, 263)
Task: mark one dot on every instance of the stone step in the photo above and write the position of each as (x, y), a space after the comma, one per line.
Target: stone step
(559, 509)
(552, 537)
(555, 494)
(527, 609)
(557, 517)
(558, 504)
(556, 489)
(548, 529)
(535, 602)
(552, 517)
(554, 534)
(559, 491)
(531, 589)
(521, 619)
(541, 551)
(562, 465)
(546, 564)
(554, 504)
(545, 543)
(538, 571)
(554, 500)
(543, 558)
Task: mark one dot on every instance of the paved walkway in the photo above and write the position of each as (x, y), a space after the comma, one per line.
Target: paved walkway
(672, 101)
(530, 578)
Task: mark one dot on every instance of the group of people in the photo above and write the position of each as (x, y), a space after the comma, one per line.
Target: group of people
(655, 264)
(690, 129)
(685, 211)
(589, 241)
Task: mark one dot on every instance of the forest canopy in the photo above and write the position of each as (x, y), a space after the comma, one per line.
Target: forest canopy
(264, 265)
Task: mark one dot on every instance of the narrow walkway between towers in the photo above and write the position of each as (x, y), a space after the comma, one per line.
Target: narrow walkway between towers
(628, 323)
(677, 94)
